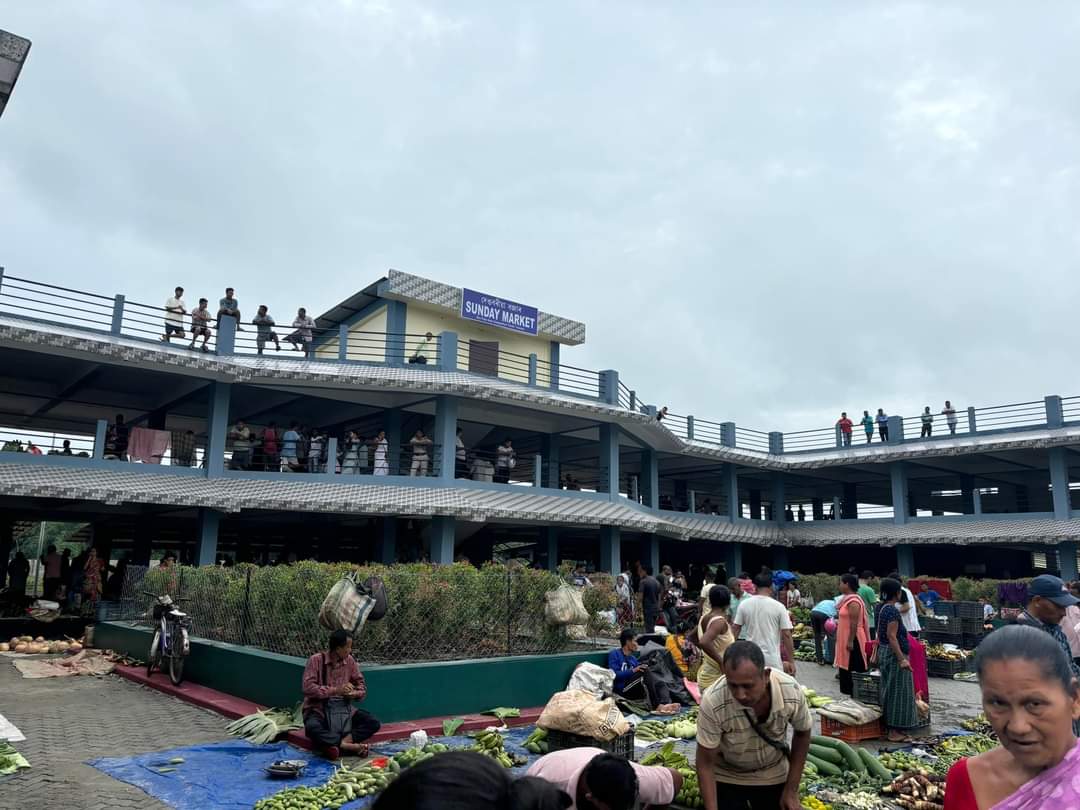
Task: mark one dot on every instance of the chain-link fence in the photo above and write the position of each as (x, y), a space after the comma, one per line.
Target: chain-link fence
(436, 613)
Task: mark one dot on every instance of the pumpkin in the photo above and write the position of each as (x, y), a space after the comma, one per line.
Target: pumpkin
(22, 647)
(4, 646)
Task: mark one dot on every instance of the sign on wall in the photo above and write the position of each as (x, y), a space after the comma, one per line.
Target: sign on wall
(499, 312)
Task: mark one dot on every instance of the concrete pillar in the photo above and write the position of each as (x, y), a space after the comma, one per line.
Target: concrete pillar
(691, 500)
(7, 542)
(780, 558)
(727, 434)
(905, 560)
(776, 442)
(226, 335)
(682, 492)
(343, 343)
(442, 539)
(610, 550)
(392, 426)
(145, 532)
(733, 558)
(117, 324)
(550, 537)
(395, 334)
(217, 425)
(690, 428)
(817, 508)
(448, 351)
(445, 438)
(207, 541)
(650, 479)
(1055, 417)
(730, 481)
(836, 508)
(608, 387)
(898, 480)
(755, 504)
(652, 552)
(779, 497)
(533, 362)
(1059, 482)
(967, 494)
(100, 430)
(971, 419)
(550, 451)
(896, 429)
(386, 550)
(850, 508)
(609, 459)
(554, 360)
(1066, 553)
(331, 457)
(976, 501)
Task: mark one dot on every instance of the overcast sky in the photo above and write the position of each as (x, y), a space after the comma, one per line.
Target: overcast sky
(765, 213)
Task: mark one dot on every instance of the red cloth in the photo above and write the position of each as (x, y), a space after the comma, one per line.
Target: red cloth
(942, 586)
(959, 792)
(917, 657)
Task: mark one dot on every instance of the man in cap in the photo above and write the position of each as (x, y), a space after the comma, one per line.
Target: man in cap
(1048, 599)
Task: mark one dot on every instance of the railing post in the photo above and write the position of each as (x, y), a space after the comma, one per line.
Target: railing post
(727, 434)
(1055, 417)
(971, 419)
(839, 437)
(448, 343)
(691, 498)
(776, 442)
(538, 471)
(226, 334)
(1, 277)
(896, 429)
(532, 368)
(331, 456)
(608, 387)
(117, 314)
(633, 401)
(343, 343)
(100, 430)
(898, 483)
(690, 428)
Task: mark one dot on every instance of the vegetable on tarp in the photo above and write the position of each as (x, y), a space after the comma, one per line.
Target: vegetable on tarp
(502, 712)
(264, 726)
(450, 727)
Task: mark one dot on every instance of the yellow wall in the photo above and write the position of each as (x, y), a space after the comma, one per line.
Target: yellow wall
(368, 347)
(420, 320)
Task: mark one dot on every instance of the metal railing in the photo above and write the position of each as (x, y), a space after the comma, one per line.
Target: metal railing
(1000, 417)
(36, 442)
(816, 439)
(751, 439)
(677, 424)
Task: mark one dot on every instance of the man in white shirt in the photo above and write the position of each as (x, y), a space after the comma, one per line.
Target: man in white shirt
(765, 622)
(908, 606)
(174, 315)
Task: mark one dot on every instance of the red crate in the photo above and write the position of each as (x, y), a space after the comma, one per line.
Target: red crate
(842, 731)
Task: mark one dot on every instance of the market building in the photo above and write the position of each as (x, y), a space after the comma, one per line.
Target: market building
(594, 476)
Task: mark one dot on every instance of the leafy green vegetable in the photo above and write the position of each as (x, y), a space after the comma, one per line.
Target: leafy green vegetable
(450, 727)
(502, 712)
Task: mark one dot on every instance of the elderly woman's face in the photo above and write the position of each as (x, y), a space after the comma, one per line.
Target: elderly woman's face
(1031, 713)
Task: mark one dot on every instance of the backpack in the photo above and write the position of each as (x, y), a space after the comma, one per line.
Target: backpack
(376, 589)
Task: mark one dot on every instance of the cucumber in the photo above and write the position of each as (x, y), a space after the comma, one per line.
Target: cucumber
(853, 760)
(827, 754)
(824, 768)
(873, 765)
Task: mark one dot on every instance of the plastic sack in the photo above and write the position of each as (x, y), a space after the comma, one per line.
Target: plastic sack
(595, 680)
(418, 739)
(564, 606)
(347, 606)
(577, 712)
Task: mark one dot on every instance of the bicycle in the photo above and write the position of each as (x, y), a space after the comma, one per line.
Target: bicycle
(171, 637)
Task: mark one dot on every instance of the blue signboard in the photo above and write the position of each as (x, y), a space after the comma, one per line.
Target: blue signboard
(498, 312)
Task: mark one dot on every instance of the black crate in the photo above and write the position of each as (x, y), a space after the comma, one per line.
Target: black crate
(969, 641)
(944, 668)
(941, 625)
(621, 746)
(930, 637)
(943, 608)
(866, 687)
(969, 625)
(969, 610)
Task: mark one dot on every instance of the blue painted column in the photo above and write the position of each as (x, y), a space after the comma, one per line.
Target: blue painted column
(849, 508)
(776, 442)
(386, 552)
(217, 427)
(550, 451)
(343, 343)
(779, 497)
(899, 482)
(7, 541)
(1055, 417)
(652, 552)
(690, 428)
(226, 335)
(448, 351)
(395, 333)
(610, 549)
(550, 537)
(100, 430)
(779, 558)
(554, 359)
(733, 558)
(608, 386)
(392, 426)
(117, 324)
(896, 429)
(1066, 554)
(207, 542)
(1059, 483)
(905, 560)
(445, 438)
(442, 540)
(609, 459)
(650, 479)
(727, 434)
(730, 483)
(755, 504)
(976, 501)
(971, 419)
(534, 362)
(331, 458)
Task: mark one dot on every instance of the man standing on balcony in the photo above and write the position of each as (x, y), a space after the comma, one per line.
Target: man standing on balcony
(332, 681)
(174, 315)
(230, 306)
(868, 425)
(264, 330)
(302, 334)
(419, 445)
(504, 462)
(927, 424)
(949, 412)
(241, 439)
(200, 325)
(882, 425)
(845, 426)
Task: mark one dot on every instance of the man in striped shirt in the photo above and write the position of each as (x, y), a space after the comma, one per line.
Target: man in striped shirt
(743, 758)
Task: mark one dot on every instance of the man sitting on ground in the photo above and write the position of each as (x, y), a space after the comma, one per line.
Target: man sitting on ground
(596, 780)
(332, 681)
(633, 680)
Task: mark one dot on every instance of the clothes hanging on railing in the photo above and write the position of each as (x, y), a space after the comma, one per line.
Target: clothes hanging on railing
(148, 446)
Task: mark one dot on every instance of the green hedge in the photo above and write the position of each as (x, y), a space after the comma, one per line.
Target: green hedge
(964, 589)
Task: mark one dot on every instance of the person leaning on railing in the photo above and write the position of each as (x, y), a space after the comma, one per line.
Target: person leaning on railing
(175, 311)
(200, 325)
(230, 306)
(301, 336)
(419, 355)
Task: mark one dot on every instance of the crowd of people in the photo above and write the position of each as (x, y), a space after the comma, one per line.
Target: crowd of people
(881, 421)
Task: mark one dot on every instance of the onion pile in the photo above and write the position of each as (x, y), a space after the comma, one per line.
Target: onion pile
(39, 646)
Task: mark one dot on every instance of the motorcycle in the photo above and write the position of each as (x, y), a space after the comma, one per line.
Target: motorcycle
(171, 641)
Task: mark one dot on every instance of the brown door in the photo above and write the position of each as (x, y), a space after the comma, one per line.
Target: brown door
(484, 357)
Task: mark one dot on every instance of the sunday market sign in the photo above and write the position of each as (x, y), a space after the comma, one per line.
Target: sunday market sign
(488, 309)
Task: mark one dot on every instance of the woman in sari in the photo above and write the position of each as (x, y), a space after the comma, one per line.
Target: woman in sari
(713, 635)
(1031, 698)
(92, 578)
(852, 632)
(624, 607)
(898, 709)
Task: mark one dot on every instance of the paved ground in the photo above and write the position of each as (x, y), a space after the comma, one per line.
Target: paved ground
(70, 720)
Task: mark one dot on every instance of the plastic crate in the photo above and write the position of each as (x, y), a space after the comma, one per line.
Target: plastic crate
(942, 625)
(969, 610)
(842, 731)
(969, 625)
(621, 746)
(866, 687)
(943, 668)
(943, 608)
(931, 637)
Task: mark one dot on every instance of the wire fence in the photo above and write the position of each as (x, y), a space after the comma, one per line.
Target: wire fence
(435, 613)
